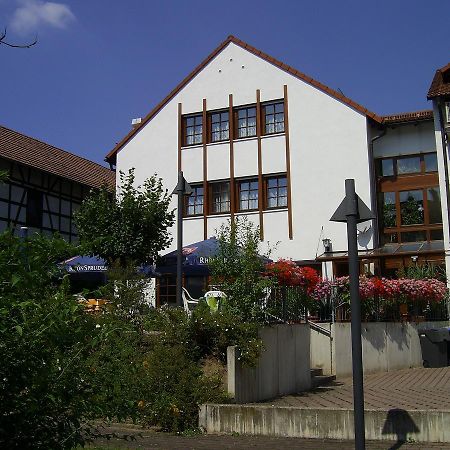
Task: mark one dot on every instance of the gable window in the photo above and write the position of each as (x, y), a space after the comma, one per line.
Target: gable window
(246, 122)
(248, 195)
(195, 201)
(273, 118)
(193, 130)
(220, 197)
(220, 126)
(276, 192)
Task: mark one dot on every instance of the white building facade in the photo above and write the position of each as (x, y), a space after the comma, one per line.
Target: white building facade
(255, 137)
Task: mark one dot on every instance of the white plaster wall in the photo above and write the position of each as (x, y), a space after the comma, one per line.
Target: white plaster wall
(273, 154)
(218, 161)
(327, 138)
(406, 139)
(192, 163)
(245, 158)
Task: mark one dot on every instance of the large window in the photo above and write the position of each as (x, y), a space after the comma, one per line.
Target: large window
(193, 130)
(246, 122)
(195, 201)
(273, 115)
(412, 215)
(220, 197)
(409, 200)
(407, 165)
(276, 192)
(220, 126)
(248, 194)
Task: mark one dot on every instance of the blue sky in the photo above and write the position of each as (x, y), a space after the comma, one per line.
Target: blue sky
(100, 63)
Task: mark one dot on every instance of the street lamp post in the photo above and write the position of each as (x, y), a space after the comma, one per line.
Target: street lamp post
(181, 190)
(353, 210)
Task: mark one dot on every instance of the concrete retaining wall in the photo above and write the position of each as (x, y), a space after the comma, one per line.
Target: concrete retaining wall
(421, 426)
(386, 346)
(283, 367)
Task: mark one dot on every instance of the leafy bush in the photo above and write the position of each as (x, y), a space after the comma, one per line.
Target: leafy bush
(44, 338)
(239, 269)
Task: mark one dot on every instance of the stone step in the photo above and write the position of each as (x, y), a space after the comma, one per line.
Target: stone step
(322, 380)
(316, 372)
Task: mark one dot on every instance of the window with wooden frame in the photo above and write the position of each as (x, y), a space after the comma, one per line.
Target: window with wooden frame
(219, 126)
(409, 199)
(273, 117)
(245, 122)
(194, 203)
(247, 192)
(220, 197)
(276, 192)
(193, 130)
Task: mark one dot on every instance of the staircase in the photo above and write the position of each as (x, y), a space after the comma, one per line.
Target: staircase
(318, 379)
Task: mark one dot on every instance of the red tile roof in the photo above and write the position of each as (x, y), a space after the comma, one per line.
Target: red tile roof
(414, 116)
(23, 149)
(441, 83)
(111, 156)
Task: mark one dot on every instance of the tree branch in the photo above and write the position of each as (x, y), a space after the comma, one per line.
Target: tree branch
(8, 44)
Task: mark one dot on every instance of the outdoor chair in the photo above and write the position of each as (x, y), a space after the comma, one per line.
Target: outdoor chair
(189, 303)
(213, 299)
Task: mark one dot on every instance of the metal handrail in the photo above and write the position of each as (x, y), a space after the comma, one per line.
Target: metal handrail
(320, 329)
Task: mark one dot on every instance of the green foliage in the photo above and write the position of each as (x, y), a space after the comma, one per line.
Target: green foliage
(130, 227)
(44, 332)
(423, 271)
(239, 268)
(3, 176)
(207, 333)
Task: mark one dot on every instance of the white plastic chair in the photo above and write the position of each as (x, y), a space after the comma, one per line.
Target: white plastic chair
(213, 299)
(189, 303)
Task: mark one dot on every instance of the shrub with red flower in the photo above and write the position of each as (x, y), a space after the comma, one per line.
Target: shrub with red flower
(288, 273)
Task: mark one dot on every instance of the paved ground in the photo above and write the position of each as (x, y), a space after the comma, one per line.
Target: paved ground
(160, 441)
(409, 389)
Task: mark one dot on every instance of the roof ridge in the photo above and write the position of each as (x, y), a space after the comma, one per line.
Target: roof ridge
(50, 145)
(233, 39)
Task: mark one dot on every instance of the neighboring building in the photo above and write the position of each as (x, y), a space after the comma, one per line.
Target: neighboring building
(439, 93)
(256, 137)
(45, 184)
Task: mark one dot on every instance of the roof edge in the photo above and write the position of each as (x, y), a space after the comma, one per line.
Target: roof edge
(413, 116)
(111, 156)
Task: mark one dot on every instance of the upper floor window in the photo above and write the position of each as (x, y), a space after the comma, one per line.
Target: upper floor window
(276, 192)
(407, 165)
(220, 197)
(193, 130)
(273, 115)
(220, 126)
(246, 122)
(195, 201)
(248, 194)
(34, 208)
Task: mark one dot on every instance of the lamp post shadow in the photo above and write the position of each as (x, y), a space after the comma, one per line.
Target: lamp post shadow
(399, 422)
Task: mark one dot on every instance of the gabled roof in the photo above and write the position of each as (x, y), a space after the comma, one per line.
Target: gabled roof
(111, 156)
(441, 83)
(415, 116)
(26, 150)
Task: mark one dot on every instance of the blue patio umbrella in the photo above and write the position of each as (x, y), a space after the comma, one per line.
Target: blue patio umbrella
(84, 264)
(93, 264)
(195, 258)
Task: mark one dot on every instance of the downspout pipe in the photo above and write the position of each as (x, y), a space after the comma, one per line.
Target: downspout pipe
(374, 202)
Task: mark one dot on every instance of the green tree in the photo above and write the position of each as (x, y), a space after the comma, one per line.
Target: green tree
(239, 268)
(130, 227)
